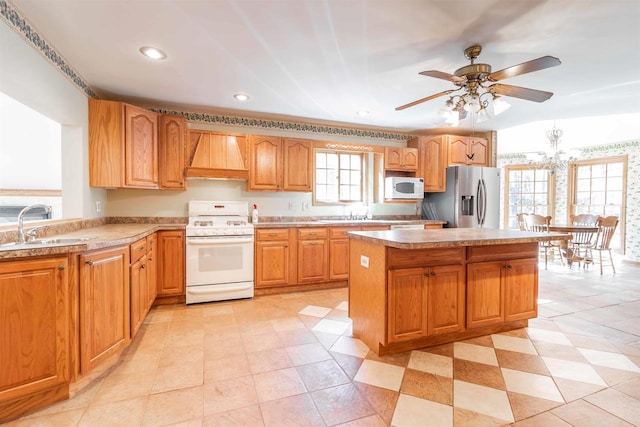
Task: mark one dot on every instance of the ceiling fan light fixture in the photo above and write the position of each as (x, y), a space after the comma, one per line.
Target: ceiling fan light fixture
(482, 116)
(241, 97)
(500, 105)
(362, 113)
(153, 52)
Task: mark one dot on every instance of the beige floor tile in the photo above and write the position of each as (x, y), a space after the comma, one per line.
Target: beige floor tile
(253, 343)
(428, 386)
(226, 368)
(382, 400)
(494, 403)
(525, 406)
(124, 386)
(269, 360)
(521, 362)
(173, 407)
(380, 375)
(228, 395)
(216, 349)
(609, 360)
(287, 324)
(466, 418)
(183, 355)
(344, 305)
(432, 363)
(573, 390)
(370, 421)
(573, 371)
(555, 337)
(123, 412)
(475, 353)
(217, 309)
(321, 375)
(349, 364)
(478, 373)
(350, 346)
(410, 412)
(631, 388)
(584, 414)
(341, 404)
(296, 337)
(535, 385)
(315, 311)
(184, 338)
(291, 411)
(557, 351)
(521, 345)
(196, 422)
(62, 419)
(398, 359)
(545, 419)
(307, 353)
(250, 416)
(331, 326)
(619, 404)
(278, 384)
(178, 377)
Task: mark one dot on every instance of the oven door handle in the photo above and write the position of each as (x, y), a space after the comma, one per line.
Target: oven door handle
(219, 241)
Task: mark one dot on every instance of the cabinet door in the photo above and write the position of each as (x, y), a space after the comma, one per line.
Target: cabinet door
(485, 294)
(298, 164)
(410, 159)
(141, 148)
(265, 172)
(313, 261)
(272, 263)
(478, 153)
(445, 299)
(521, 289)
(392, 157)
(170, 265)
(152, 269)
(171, 149)
(433, 163)
(104, 305)
(338, 259)
(34, 326)
(458, 150)
(139, 298)
(407, 304)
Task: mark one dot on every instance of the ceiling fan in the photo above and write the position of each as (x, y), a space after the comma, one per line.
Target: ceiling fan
(477, 80)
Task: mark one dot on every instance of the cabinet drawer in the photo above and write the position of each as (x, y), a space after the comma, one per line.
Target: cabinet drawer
(138, 249)
(152, 240)
(312, 233)
(341, 232)
(272, 234)
(424, 257)
(502, 252)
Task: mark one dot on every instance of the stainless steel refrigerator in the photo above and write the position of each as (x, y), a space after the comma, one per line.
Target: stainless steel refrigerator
(471, 200)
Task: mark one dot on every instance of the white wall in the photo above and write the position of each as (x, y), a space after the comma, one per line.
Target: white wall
(27, 77)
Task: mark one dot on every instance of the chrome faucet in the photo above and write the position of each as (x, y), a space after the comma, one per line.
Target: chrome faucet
(21, 237)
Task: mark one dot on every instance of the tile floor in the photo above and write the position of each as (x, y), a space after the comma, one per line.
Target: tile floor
(290, 360)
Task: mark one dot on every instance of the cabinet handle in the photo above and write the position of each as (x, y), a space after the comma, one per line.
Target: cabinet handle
(141, 248)
(272, 234)
(432, 274)
(312, 234)
(89, 262)
(143, 266)
(61, 267)
(150, 259)
(507, 267)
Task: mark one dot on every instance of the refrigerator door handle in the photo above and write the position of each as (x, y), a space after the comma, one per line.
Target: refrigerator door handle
(482, 202)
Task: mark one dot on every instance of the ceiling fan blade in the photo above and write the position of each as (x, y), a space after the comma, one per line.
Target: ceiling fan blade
(442, 75)
(521, 92)
(420, 101)
(524, 68)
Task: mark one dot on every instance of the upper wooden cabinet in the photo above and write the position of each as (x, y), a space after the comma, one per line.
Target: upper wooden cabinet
(465, 150)
(401, 158)
(171, 148)
(432, 153)
(279, 164)
(123, 145)
(217, 155)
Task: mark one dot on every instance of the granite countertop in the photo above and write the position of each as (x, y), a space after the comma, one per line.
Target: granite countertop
(342, 223)
(453, 237)
(103, 236)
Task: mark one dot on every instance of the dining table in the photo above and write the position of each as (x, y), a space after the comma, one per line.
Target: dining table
(572, 228)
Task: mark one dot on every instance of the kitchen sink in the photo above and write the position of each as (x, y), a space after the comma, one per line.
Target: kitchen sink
(44, 242)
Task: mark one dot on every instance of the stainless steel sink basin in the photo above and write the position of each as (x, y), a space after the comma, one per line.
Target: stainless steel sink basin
(44, 242)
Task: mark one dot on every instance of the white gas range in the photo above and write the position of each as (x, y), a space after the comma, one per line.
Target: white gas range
(219, 251)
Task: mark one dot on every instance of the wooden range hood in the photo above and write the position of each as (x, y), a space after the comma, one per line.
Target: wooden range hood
(217, 155)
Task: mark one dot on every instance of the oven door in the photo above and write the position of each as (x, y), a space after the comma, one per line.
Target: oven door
(218, 260)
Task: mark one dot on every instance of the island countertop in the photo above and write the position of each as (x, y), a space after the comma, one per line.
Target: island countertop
(452, 237)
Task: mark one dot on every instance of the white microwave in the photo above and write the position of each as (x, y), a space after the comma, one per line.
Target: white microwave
(400, 187)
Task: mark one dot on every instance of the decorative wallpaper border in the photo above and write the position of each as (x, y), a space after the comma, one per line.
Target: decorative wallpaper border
(20, 25)
(283, 125)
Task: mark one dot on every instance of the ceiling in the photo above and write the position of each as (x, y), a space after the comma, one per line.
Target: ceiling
(324, 60)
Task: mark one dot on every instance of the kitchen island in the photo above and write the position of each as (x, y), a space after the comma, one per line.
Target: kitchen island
(416, 288)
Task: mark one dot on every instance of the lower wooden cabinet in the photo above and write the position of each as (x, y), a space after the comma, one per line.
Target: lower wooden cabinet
(338, 259)
(272, 257)
(171, 264)
(425, 301)
(34, 331)
(152, 268)
(104, 305)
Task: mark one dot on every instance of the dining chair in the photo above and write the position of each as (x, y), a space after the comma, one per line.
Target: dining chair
(540, 223)
(606, 228)
(522, 223)
(581, 241)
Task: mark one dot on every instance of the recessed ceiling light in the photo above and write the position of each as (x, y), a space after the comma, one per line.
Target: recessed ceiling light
(152, 52)
(241, 97)
(362, 113)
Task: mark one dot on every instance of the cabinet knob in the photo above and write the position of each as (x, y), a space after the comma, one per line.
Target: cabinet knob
(507, 267)
(61, 267)
(272, 234)
(89, 262)
(432, 274)
(141, 248)
(143, 266)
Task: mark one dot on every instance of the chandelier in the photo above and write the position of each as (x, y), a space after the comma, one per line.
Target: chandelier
(552, 159)
(476, 99)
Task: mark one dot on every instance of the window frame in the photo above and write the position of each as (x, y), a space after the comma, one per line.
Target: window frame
(363, 178)
(551, 192)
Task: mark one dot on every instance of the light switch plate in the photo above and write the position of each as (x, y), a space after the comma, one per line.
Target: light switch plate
(364, 261)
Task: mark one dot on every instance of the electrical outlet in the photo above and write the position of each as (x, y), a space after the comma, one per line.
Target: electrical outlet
(98, 206)
(364, 261)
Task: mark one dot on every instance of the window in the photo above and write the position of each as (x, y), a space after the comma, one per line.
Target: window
(598, 187)
(339, 177)
(528, 190)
